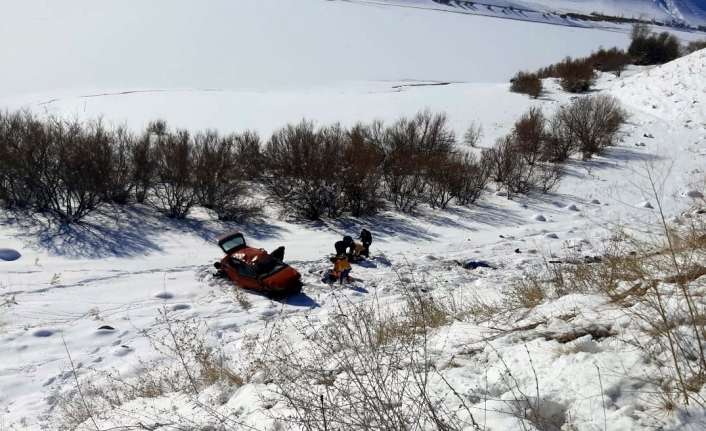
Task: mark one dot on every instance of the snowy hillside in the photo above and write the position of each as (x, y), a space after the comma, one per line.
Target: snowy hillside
(679, 12)
(88, 302)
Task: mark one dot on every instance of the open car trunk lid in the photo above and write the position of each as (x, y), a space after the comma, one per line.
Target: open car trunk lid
(231, 242)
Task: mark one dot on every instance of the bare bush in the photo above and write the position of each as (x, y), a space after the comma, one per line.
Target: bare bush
(218, 177)
(473, 135)
(458, 176)
(576, 76)
(174, 158)
(363, 371)
(361, 176)
(143, 167)
(302, 167)
(472, 175)
(693, 46)
(74, 183)
(527, 83)
(24, 151)
(590, 123)
(519, 161)
(612, 60)
(248, 154)
(411, 147)
(647, 47)
(119, 187)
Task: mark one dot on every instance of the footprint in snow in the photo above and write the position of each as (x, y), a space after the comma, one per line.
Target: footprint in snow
(645, 204)
(596, 202)
(551, 235)
(43, 333)
(179, 307)
(8, 254)
(164, 295)
(540, 217)
(105, 330)
(122, 350)
(572, 207)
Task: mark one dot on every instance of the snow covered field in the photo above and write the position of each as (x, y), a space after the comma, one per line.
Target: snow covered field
(122, 270)
(92, 294)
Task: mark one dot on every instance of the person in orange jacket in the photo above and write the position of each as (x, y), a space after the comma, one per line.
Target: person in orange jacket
(342, 268)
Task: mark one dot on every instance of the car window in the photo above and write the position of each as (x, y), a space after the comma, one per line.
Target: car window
(233, 243)
(244, 269)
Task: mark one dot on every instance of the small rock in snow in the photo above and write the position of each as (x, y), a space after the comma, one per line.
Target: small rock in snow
(540, 217)
(551, 235)
(179, 307)
(596, 202)
(572, 207)
(645, 204)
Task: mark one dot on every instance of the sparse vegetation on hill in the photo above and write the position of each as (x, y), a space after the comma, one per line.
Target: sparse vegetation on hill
(526, 83)
(649, 48)
(69, 169)
(578, 75)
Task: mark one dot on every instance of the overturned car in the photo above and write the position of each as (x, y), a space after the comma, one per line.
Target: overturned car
(256, 269)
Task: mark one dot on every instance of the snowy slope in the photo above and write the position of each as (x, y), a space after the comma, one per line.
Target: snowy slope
(670, 12)
(123, 270)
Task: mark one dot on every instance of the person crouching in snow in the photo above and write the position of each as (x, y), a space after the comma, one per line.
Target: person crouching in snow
(342, 268)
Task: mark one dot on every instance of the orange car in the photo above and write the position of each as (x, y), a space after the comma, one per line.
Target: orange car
(254, 268)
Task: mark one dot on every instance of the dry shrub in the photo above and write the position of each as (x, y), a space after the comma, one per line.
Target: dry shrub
(362, 174)
(248, 154)
(648, 48)
(473, 135)
(695, 45)
(175, 159)
(525, 293)
(575, 76)
(62, 167)
(301, 169)
(411, 148)
(471, 177)
(519, 161)
(589, 123)
(219, 175)
(188, 364)
(527, 83)
(143, 167)
(361, 372)
(610, 60)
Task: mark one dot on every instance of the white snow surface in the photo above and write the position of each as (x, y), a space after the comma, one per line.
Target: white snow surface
(121, 269)
(261, 44)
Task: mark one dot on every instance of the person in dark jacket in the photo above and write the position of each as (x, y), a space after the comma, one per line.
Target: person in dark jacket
(344, 246)
(366, 238)
(278, 253)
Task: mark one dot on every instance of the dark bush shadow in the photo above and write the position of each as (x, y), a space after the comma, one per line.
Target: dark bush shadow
(124, 231)
(383, 226)
(298, 300)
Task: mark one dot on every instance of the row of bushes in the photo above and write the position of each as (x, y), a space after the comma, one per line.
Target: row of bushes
(578, 75)
(70, 168)
(530, 157)
(332, 169)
